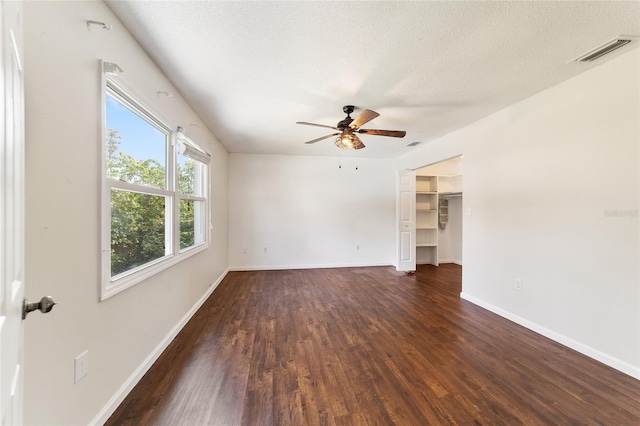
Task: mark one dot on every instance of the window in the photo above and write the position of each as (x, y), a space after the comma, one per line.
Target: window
(155, 196)
(192, 184)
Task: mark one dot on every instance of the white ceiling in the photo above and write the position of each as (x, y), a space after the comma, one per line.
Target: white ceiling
(252, 69)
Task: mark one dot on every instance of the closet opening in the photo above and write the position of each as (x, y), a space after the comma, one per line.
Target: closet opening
(439, 207)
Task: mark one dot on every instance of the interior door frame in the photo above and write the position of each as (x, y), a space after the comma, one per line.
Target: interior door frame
(12, 189)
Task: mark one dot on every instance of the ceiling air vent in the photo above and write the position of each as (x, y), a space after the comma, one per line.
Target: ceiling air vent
(608, 47)
(414, 143)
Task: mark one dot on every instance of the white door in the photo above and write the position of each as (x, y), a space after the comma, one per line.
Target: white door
(406, 213)
(11, 213)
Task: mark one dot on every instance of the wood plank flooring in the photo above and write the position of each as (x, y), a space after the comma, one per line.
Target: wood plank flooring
(368, 346)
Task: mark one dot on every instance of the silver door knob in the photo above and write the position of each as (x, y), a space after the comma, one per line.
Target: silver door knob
(44, 305)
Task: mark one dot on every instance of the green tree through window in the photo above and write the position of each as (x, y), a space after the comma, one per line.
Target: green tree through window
(137, 220)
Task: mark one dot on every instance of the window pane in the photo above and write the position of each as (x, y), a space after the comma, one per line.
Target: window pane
(190, 176)
(191, 223)
(137, 229)
(135, 148)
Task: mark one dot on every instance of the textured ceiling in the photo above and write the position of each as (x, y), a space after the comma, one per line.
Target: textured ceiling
(252, 69)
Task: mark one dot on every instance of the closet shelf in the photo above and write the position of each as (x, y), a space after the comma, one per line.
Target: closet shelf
(427, 217)
(450, 194)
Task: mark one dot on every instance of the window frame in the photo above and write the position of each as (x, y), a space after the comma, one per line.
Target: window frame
(179, 137)
(112, 285)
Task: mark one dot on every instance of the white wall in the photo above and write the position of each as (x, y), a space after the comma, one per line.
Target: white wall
(450, 167)
(308, 212)
(539, 179)
(62, 217)
(450, 238)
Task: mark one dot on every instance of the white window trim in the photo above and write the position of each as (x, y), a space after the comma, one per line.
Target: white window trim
(110, 286)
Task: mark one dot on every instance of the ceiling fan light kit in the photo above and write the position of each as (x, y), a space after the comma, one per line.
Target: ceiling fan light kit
(347, 139)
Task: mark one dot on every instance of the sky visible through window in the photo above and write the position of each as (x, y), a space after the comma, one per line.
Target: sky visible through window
(139, 138)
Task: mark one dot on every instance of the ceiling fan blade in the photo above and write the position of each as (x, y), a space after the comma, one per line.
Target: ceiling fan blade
(322, 138)
(391, 133)
(317, 125)
(364, 117)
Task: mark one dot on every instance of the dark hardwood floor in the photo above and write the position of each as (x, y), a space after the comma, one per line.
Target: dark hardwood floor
(368, 346)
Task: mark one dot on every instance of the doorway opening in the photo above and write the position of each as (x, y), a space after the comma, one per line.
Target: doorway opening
(439, 207)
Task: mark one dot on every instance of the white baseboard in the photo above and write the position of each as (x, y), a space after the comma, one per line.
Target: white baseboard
(135, 377)
(457, 262)
(602, 357)
(322, 266)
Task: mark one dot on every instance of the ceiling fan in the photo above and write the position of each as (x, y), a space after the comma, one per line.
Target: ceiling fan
(347, 129)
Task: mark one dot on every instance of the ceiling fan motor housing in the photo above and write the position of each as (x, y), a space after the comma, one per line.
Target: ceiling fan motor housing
(344, 124)
(347, 109)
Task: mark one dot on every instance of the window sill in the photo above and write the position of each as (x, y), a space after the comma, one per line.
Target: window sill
(122, 283)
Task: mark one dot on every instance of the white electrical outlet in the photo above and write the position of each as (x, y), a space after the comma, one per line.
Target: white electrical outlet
(265, 250)
(358, 247)
(80, 366)
(518, 284)
(244, 250)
